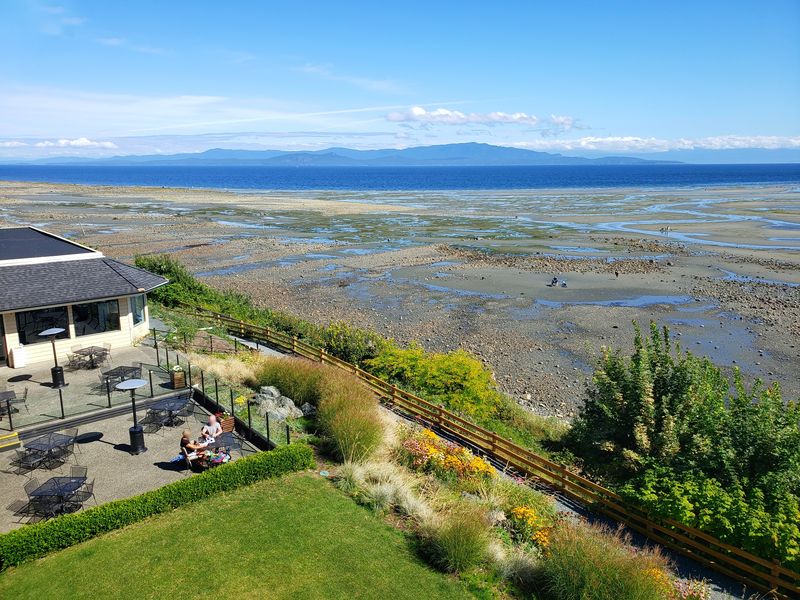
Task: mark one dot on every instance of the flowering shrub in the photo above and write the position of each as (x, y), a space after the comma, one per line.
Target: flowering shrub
(689, 590)
(527, 526)
(425, 451)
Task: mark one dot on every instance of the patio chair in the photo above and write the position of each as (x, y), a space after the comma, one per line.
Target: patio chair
(46, 506)
(83, 494)
(27, 461)
(23, 400)
(152, 422)
(191, 458)
(107, 346)
(76, 471)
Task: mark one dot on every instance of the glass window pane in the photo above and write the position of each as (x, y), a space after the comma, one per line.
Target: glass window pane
(95, 317)
(31, 322)
(137, 309)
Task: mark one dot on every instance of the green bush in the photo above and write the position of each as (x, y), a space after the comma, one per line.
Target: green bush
(460, 542)
(38, 539)
(593, 563)
(679, 437)
(347, 412)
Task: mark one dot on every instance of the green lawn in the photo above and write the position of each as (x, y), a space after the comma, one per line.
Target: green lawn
(295, 537)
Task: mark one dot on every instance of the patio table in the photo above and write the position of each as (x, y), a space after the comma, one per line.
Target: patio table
(121, 373)
(90, 352)
(61, 488)
(169, 406)
(47, 443)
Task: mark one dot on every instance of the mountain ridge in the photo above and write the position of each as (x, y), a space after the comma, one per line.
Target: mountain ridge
(466, 154)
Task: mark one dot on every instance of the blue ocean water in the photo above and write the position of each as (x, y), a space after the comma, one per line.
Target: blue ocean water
(407, 178)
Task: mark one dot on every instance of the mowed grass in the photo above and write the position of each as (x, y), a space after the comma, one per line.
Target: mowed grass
(294, 537)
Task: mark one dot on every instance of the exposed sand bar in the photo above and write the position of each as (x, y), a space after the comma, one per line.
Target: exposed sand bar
(470, 268)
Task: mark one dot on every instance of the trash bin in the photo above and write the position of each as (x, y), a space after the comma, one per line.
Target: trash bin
(57, 373)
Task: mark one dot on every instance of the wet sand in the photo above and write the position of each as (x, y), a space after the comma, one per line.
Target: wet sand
(471, 269)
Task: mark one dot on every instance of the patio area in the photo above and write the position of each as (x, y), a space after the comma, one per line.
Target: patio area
(86, 390)
(103, 448)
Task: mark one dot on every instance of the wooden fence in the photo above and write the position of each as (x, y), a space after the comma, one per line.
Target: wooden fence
(757, 573)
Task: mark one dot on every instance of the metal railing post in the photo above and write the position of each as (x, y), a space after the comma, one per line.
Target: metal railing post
(158, 357)
(155, 339)
(166, 353)
(210, 343)
(150, 377)
(216, 390)
(61, 402)
(235, 346)
(203, 381)
(249, 422)
(8, 412)
(108, 391)
(233, 413)
(189, 371)
(185, 342)
(266, 418)
(288, 440)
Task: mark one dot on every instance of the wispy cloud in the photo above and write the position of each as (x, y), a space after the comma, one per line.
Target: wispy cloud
(446, 116)
(653, 144)
(119, 42)
(56, 20)
(365, 83)
(80, 142)
(12, 144)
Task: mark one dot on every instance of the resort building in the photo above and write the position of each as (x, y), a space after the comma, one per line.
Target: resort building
(47, 281)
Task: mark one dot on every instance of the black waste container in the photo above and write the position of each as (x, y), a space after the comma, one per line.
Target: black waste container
(57, 373)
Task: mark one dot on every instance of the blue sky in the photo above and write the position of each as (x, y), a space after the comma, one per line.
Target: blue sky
(99, 78)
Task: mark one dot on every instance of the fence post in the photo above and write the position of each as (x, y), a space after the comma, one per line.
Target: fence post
(235, 346)
(189, 371)
(203, 381)
(249, 422)
(155, 339)
(150, 377)
(61, 402)
(216, 390)
(241, 327)
(185, 342)
(322, 355)
(166, 353)
(394, 394)
(210, 343)
(266, 418)
(294, 344)
(108, 391)
(232, 412)
(158, 357)
(288, 440)
(8, 412)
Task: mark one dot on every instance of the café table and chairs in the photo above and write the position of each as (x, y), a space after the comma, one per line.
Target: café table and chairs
(169, 410)
(53, 448)
(94, 354)
(118, 374)
(58, 494)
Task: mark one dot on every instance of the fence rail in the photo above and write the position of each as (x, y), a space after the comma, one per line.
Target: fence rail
(754, 571)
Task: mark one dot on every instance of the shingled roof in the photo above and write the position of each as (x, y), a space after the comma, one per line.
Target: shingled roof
(68, 282)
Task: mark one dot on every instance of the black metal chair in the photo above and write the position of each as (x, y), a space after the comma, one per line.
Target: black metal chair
(27, 461)
(45, 506)
(77, 471)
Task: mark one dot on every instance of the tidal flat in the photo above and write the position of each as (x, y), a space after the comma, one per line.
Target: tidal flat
(719, 266)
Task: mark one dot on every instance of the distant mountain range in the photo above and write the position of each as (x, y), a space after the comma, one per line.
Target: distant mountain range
(462, 155)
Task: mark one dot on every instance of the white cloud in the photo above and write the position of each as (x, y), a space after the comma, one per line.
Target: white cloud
(653, 144)
(12, 144)
(445, 116)
(111, 41)
(80, 142)
(365, 83)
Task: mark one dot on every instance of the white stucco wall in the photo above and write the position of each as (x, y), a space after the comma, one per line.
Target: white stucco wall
(43, 351)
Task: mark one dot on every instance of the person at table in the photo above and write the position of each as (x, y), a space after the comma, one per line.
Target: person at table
(212, 430)
(195, 449)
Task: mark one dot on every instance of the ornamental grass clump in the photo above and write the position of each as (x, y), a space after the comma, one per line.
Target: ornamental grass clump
(460, 541)
(347, 412)
(595, 563)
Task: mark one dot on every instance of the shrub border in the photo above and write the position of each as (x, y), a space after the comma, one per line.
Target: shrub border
(38, 539)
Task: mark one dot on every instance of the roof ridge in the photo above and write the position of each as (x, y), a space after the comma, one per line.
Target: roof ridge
(108, 261)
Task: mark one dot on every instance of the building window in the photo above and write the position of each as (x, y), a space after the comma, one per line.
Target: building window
(31, 322)
(137, 309)
(95, 317)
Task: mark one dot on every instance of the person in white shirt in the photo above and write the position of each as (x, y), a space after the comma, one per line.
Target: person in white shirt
(212, 430)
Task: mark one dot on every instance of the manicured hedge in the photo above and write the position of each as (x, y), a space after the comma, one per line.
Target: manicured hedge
(38, 539)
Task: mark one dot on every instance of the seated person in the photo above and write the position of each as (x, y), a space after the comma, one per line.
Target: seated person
(194, 449)
(212, 430)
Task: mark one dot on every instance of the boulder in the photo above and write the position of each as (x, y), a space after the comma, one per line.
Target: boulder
(279, 407)
(308, 410)
(270, 390)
